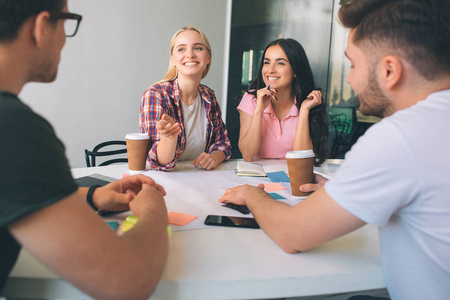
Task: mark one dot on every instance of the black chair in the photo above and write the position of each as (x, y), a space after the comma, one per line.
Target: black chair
(91, 155)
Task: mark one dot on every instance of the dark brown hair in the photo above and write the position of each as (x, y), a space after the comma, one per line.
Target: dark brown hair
(418, 30)
(14, 13)
(302, 86)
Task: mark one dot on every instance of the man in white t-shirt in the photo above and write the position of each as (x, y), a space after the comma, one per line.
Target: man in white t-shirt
(395, 176)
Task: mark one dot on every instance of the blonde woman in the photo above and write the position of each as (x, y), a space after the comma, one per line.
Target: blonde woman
(181, 115)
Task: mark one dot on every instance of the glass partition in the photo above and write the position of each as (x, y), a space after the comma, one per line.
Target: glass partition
(255, 23)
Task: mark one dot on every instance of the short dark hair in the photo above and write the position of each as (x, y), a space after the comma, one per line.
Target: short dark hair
(418, 30)
(302, 86)
(14, 13)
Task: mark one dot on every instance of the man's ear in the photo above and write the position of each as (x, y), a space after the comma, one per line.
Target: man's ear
(40, 29)
(390, 71)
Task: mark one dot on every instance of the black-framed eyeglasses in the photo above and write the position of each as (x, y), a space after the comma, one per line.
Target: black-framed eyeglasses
(71, 23)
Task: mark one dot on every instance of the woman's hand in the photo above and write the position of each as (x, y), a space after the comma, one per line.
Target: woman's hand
(313, 99)
(263, 97)
(168, 127)
(206, 161)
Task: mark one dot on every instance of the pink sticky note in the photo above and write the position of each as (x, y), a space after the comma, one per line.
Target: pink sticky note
(273, 187)
(180, 219)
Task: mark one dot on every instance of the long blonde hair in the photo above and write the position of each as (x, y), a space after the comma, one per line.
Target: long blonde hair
(172, 72)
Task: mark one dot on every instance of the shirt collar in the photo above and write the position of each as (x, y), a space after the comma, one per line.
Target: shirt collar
(175, 92)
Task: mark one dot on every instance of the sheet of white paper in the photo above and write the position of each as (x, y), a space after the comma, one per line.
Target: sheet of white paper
(196, 192)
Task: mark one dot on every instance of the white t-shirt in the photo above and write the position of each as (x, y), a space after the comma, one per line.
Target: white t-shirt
(194, 120)
(397, 177)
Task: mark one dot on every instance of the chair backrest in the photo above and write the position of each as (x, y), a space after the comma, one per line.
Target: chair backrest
(90, 156)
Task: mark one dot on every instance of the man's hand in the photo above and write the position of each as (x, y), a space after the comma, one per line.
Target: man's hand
(117, 195)
(149, 200)
(238, 195)
(319, 181)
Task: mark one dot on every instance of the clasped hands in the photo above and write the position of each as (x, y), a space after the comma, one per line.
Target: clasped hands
(170, 129)
(131, 192)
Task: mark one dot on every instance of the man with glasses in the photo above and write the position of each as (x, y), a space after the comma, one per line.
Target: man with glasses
(41, 207)
(71, 23)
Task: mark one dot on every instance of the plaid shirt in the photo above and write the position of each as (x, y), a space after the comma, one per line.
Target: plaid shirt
(164, 98)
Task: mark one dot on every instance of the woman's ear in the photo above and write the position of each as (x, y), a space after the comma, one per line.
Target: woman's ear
(390, 71)
(40, 28)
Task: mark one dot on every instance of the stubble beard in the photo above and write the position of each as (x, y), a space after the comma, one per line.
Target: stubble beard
(44, 72)
(373, 100)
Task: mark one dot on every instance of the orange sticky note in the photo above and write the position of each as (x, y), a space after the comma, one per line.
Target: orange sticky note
(180, 219)
(273, 187)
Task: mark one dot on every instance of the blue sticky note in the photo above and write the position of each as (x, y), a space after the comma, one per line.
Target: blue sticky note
(276, 196)
(279, 176)
(113, 225)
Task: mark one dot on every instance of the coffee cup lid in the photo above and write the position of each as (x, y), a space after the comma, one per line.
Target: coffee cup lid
(300, 154)
(137, 136)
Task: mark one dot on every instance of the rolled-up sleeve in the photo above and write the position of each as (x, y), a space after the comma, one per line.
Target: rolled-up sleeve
(153, 106)
(219, 138)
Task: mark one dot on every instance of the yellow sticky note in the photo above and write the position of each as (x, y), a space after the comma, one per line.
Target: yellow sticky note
(131, 219)
(129, 223)
(273, 187)
(180, 219)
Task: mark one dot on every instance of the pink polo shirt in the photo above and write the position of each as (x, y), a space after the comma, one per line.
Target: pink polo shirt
(277, 137)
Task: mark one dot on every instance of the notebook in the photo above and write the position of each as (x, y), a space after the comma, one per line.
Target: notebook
(244, 168)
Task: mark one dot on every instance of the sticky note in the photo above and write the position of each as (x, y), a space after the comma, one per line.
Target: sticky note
(279, 176)
(126, 226)
(131, 219)
(129, 223)
(113, 225)
(273, 187)
(180, 219)
(276, 196)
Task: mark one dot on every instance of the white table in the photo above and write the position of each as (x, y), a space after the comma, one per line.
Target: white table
(226, 263)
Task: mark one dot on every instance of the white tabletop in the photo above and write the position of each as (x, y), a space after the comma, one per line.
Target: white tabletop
(226, 263)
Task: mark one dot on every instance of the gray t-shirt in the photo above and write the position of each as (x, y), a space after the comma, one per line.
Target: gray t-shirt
(195, 126)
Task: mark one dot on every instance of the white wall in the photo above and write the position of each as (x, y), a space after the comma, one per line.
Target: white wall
(121, 48)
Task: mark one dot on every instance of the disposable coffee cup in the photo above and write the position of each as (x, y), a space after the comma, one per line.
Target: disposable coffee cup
(300, 167)
(137, 147)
